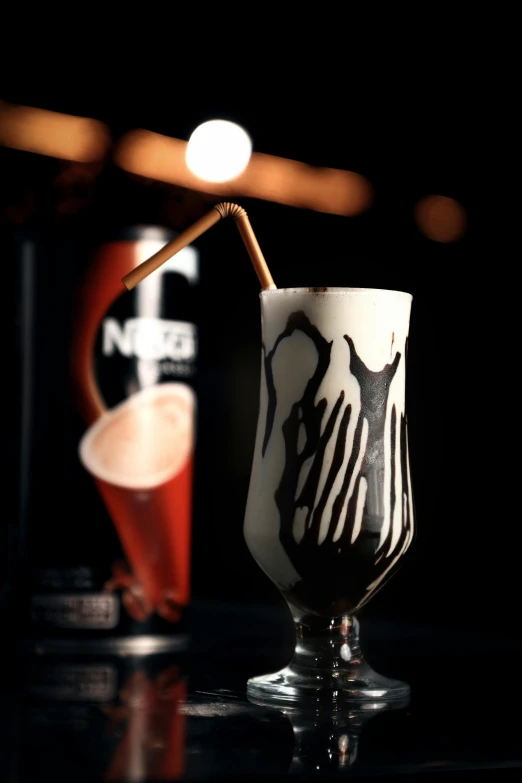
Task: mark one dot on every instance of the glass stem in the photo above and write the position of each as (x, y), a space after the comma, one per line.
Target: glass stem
(326, 645)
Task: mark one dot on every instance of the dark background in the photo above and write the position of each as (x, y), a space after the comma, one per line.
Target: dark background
(411, 138)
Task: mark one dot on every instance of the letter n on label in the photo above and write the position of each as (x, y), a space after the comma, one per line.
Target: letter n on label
(114, 336)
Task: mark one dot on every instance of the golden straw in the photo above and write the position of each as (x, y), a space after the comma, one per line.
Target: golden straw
(217, 212)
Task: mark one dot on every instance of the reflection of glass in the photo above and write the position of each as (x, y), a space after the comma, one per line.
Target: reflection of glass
(327, 742)
(330, 510)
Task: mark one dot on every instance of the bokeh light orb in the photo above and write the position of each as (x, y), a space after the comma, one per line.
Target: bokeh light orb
(440, 218)
(218, 151)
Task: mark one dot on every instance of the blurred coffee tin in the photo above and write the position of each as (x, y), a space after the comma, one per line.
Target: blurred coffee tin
(108, 415)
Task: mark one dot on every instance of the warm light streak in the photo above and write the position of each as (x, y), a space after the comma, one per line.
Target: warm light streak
(53, 134)
(266, 177)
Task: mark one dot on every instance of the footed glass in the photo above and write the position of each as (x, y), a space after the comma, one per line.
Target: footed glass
(330, 510)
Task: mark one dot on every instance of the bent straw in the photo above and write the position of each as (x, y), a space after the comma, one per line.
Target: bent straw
(217, 212)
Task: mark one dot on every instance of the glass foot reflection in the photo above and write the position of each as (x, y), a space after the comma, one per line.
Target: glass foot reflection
(326, 741)
(328, 670)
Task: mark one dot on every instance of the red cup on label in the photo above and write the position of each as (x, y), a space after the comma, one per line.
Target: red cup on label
(141, 454)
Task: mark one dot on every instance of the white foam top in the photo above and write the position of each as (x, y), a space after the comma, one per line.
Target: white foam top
(335, 290)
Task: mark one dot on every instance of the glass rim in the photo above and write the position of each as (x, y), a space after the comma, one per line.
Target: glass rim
(326, 291)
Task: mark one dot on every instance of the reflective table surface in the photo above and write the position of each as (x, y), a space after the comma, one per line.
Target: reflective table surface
(185, 716)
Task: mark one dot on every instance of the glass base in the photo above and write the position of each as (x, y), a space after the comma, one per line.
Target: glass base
(328, 670)
(357, 687)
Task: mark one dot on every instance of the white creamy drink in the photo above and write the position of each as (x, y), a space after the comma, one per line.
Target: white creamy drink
(330, 509)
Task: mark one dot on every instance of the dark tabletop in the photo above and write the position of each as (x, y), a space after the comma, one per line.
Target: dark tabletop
(185, 716)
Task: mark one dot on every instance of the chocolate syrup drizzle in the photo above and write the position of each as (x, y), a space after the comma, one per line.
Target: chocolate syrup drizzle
(337, 576)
